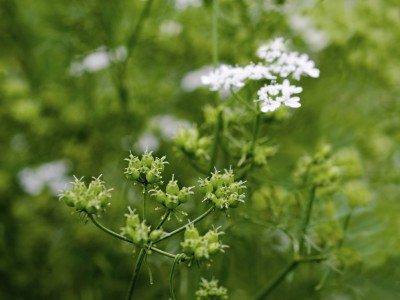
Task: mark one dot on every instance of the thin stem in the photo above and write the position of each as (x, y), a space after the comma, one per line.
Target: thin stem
(217, 135)
(308, 217)
(134, 37)
(136, 271)
(121, 68)
(159, 251)
(110, 232)
(346, 224)
(237, 97)
(291, 267)
(182, 228)
(144, 200)
(256, 130)
(345, 227)
(171, 278)
(277, 281)
(215, 9)
(163, 219)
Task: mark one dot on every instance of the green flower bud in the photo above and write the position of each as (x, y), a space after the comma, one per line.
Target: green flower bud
(172, 188)
(160, 197)
(191, 233)
(156, 234)
(152, 176)
(201, 252)
(147, 159)
(214, 248)
(172, 201)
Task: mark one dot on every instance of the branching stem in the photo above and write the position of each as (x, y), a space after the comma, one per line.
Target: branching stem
(182, 228)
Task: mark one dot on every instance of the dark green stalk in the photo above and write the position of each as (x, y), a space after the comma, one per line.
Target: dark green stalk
(136, 271)
(277, 281)
(217, 136)
(291, 267)
(105, 229)
(171, 278)
(159, 251)
(307, 219)
(215, 9)
(163, 219)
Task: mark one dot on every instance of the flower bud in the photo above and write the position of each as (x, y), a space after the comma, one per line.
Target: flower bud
(156, 234)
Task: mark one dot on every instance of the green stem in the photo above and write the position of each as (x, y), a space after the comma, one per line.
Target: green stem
(256, 130)
(237, 97)
(144, 200)
(159, 251)
(136, 271)
(345, 227)
(215, 32)
(110, 232)
(291, 267)
(171, 278)
(308, 217)
(163, 219)
(277, 281)
(217, 135)
(134, 37)
(340, 244)
(182, 228)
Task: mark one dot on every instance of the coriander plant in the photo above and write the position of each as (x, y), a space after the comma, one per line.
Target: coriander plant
(231, 152)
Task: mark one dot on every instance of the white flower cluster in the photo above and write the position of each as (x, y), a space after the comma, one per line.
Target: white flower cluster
(274, 95)
(278, 63)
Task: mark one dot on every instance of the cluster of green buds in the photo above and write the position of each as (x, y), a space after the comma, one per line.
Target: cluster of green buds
(222, 190)
(211, 290)
(135, 230)
(263, 153)
(146, 170)
(201, 247)
(91, 199)
(173, 195)
(190, 142)
(357, 194)
(319, 170)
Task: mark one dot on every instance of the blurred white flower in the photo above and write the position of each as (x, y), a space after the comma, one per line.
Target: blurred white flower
(192, 80)
(147, 142)
(51, 175)
(316, 39)
(274, 95)
(184, 4)
(98, 60)
(168, 125)
(170, 28)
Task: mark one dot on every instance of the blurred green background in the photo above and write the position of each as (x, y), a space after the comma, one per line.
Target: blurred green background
(72, 104)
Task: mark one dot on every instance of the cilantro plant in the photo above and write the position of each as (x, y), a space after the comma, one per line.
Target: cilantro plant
(231, 150)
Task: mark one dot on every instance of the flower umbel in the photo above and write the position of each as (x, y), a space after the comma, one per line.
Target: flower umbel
(92, 199)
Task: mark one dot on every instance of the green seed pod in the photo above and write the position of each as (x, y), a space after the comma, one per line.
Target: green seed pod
(147, 159)
(133, 174)
(160, 197)
(216, 181)
(212, 236)
(152, 176)
(214, 248)
(172, 201)
(172, 188)
(183, 195)
(156, 234)
(191, 233)
(201, 252)
(70, 202)
(233, 200)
